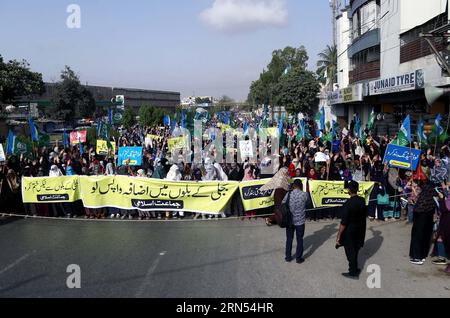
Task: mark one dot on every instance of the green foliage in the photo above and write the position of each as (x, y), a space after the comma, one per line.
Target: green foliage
(150, 116)
(327, 65)
(297, 91)
(72, 99)
(16, 79)
(128, 119)
(274, 84)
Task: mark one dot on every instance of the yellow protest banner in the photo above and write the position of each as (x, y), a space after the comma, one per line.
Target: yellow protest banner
(50, 189)
(225, 127)
(156, 195)
(176, 143)
(154, 137)
(102, 147)
(272, 131)
(333, 193)
(253, 199)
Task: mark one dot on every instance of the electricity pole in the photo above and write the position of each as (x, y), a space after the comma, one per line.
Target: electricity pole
(334, 8)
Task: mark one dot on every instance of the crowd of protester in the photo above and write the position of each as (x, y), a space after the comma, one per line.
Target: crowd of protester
(420, 197)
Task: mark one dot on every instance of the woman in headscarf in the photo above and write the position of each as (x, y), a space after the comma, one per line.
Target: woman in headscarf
(438, 173)
(222, 176)
(55, 171)
(209, 175)
(174, 174)
(443, 235)
(249, 175)
(11, 199)
(210, 171)
(142, 213)
(423, 222)
(160, 172)
(312, 174)
(279, 183)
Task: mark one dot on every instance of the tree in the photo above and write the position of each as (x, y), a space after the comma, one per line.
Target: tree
(263, 90)
(150, 116)
(128, 119)
(16, 80)
(72, 100)
(327, 65)
(297, 91)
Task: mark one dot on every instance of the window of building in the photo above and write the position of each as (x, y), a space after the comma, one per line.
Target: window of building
(366, 56)
(413, 47)
(366, 18)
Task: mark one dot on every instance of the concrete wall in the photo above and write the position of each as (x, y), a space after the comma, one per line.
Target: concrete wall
(392, 26)
(342, 43)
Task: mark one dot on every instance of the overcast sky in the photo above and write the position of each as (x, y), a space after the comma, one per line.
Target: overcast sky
(206, 47)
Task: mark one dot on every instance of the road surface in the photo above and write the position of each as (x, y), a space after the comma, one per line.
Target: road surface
(213, 259)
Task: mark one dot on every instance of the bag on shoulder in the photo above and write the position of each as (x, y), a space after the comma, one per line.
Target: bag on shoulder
(284, 217)
(383, 199)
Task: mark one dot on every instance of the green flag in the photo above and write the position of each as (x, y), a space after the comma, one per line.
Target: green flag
(23, 147)
(44, 140)
(404, 135)
(371, 119)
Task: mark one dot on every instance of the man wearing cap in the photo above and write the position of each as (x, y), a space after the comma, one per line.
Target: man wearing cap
(352, 232)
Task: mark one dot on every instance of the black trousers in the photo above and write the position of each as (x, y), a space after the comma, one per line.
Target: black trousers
(351, 251)
(421, 234)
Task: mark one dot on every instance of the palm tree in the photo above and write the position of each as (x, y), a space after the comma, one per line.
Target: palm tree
(327, 65)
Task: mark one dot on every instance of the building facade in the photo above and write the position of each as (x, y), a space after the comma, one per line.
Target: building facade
(383, 62)
(134, 98)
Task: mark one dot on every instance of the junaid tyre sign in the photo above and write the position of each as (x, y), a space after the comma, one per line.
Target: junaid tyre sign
(405, 82)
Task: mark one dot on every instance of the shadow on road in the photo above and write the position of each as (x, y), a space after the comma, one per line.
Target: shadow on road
(22, 283)
(7, 220)
(314, 241)
(229, 260)
(371, 247)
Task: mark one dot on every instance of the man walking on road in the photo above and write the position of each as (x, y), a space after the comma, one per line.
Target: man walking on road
(352, 232)
(298, 201)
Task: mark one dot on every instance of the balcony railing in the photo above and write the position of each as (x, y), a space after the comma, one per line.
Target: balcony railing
(364, 72)
(417, 49)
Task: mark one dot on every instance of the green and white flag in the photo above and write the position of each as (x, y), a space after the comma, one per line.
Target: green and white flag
(371, 119)
(404, 135)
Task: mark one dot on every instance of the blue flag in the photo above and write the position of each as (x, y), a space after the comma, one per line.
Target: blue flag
(167, 120)
(33, 129)
(183, 119)
(245, 126)
(280, 127)
(332, 130)
(11, 141)
(81, 147)
(172, 124)
(66, 139)
(110, 117)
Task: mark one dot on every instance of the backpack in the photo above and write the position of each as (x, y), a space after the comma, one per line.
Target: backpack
(284, 215)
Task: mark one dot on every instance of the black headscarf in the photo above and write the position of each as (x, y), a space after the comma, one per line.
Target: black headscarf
(425, 201)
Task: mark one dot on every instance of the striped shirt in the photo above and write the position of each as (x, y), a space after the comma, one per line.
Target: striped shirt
(297, 206)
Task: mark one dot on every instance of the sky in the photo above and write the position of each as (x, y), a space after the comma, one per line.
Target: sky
(196, 47)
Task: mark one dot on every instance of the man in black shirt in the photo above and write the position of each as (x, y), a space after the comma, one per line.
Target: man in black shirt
(352, 232)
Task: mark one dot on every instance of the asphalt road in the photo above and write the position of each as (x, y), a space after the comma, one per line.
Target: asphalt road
(213, 259)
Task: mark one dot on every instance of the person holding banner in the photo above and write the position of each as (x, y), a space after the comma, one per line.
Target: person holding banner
(352, 232)
(10, 195)
(280, 184)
